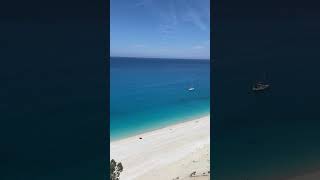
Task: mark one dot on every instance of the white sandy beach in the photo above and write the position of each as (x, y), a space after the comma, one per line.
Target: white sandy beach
(169, 153)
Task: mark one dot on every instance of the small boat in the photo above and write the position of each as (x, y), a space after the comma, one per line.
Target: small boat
(191, 89)
(259, 86)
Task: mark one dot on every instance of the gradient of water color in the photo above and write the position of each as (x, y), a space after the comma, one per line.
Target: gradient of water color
(148, 94)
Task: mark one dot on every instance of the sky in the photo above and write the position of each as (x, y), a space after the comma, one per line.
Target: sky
(160, 28)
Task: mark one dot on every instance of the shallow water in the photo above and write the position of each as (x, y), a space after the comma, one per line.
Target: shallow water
(150, 93)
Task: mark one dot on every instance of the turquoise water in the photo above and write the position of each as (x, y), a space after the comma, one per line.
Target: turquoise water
(148, 94)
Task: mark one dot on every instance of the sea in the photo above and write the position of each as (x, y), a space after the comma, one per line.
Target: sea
(151, 93)
(275, 134)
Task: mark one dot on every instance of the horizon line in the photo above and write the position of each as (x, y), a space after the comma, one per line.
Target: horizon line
(203, 59)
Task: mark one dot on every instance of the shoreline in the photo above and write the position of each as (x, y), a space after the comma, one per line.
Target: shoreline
(178, 121)
(166, 153)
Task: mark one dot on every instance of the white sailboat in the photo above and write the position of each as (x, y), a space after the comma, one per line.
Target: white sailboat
(191, 87)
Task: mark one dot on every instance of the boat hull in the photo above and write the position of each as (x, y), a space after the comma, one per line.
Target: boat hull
(265, 87)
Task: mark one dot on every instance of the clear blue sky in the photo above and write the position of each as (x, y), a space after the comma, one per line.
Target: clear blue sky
(160, 28)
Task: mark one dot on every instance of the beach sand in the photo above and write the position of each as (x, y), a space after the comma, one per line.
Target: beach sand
(173, 152)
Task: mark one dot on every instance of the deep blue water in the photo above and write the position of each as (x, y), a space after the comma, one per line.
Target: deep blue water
(150, 93)
(270, 135)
